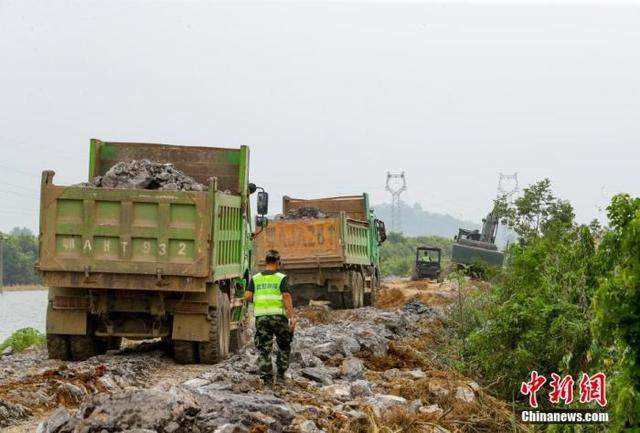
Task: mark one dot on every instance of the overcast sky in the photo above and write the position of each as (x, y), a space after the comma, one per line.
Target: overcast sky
(330, 96)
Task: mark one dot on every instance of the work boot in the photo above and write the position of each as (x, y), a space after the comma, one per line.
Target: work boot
(281, 380)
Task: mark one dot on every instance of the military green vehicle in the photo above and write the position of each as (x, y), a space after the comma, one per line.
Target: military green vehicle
(477, 249)
(145, 264)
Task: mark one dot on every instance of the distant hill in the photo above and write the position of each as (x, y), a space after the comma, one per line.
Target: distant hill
(419, 222)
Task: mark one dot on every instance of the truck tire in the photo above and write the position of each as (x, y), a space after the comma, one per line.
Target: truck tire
(355, 297)
(238, 339)
(184, 352)
(109, 343)
(239, 336)
(167, 345)
(335, 300)
(58, 347)
(369, 299)
(217, 348)
(83, 347)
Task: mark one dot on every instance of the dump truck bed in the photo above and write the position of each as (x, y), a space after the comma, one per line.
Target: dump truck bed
(146, 239)
(313, 243)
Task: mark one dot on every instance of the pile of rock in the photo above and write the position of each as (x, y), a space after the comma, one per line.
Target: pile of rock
(305, 212)
(10, 413)
(414, 306)
(145, 174)
(326, 378)
(51, 382)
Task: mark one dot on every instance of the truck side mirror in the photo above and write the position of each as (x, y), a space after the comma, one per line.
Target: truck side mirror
(382, 231)
(262, 221)
(252, 188)
(263, 202)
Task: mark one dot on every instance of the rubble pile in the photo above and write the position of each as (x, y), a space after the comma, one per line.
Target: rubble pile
(364, 370)
(229, 396)
(416, 307)
(305, 212)
(10, 413)
(145, 174)
(31, 383)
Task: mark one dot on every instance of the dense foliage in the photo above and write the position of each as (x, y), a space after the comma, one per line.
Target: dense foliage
(20, 254)
(616, 324)
(567, 302)
(398, 252)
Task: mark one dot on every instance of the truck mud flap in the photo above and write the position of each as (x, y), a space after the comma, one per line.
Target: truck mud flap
(190, 327)
(68, 322)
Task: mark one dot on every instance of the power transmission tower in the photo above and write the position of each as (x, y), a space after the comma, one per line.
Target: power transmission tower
(396, 217)
(507, 185)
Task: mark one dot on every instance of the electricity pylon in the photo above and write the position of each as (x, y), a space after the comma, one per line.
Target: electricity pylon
(396, 217)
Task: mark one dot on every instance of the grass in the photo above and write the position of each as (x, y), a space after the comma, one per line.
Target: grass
(23, 339)
(390, 298)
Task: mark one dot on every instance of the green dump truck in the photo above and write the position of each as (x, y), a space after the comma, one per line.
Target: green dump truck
(334, 257)
(139, 263)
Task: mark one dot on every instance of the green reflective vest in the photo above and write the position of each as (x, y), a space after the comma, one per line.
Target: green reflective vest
(267, 297)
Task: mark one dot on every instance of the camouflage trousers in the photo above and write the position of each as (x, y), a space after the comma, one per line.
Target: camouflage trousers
(268, 327)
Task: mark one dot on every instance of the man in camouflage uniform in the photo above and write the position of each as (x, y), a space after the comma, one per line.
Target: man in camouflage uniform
(273, 308)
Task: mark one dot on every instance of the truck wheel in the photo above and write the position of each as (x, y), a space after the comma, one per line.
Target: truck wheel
(83, 347)
(355, 297)
(217, 348)
(369, 299)
(239, 337)
(167, 345)
(358, 292)
(58, 347)
(238, 340)
(184, 352)
(335, 300)
(115, 343)
(109, 343)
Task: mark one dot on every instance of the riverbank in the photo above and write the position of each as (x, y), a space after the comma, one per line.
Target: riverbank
(22, 288)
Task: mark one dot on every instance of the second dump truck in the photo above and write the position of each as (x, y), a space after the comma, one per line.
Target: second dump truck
(139, 263)
(334, 257)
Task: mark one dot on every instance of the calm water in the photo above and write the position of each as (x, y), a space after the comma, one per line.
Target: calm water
(22, 309)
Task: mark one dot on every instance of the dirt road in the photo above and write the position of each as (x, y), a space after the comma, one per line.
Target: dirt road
(352, 370)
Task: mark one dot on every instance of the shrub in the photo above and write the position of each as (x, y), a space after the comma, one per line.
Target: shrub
(23, 339)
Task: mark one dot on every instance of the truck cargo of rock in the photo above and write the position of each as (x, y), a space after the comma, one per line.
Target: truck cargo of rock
(162, 262)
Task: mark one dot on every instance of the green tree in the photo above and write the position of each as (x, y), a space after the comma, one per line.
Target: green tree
(20, 255)
(616, 306)
(536, 213)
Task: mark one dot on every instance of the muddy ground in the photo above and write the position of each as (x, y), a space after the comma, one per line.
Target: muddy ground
(361, 370)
